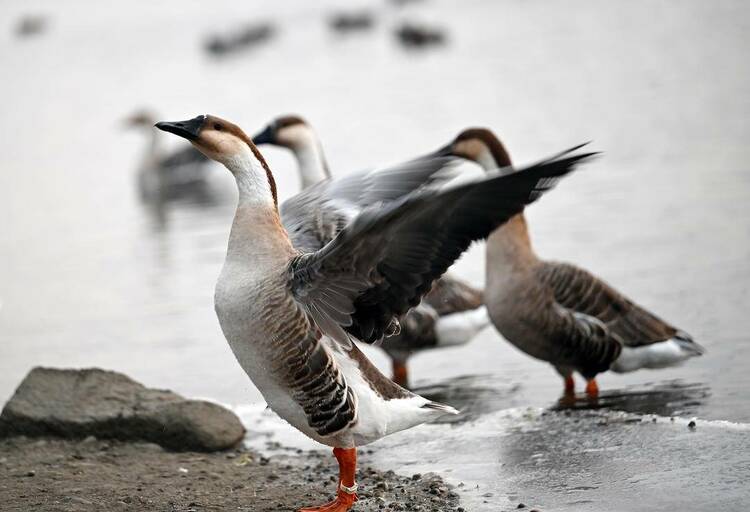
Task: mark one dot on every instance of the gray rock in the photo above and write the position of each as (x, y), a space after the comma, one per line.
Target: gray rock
(110, 405)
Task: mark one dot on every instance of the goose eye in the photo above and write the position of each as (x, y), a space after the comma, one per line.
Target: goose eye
(218, 127)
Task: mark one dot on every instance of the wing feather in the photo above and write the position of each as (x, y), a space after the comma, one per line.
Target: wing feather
(583, 293)
(391, 254)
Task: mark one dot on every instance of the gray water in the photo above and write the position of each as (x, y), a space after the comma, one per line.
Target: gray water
(89, 277)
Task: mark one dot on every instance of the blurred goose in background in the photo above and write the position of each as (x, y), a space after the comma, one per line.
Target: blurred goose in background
(290, 314)
(452, 312)
(558, 312)
(164, 175)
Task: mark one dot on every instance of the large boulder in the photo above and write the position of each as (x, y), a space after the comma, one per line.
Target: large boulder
(106, 404)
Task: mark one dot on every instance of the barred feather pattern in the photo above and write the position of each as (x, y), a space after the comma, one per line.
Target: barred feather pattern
(596, 320)
(299, 358)
(580, 291)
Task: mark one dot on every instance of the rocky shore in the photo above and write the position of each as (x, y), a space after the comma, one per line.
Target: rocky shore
(46, 474)
(90, 440)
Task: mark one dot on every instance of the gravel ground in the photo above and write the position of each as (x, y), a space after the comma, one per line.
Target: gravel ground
(88, 475)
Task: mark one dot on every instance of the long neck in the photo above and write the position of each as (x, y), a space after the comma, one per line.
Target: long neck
(257, 231)
(509, 246)
(310, 159)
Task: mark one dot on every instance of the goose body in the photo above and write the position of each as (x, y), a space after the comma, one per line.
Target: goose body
(332, 394)
(451, 313)
(290, 314)
(558, 312)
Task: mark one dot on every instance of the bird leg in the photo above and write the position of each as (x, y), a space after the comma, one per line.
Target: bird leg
(592, 389)
(346, 494)
(400, 373)
(570, 385)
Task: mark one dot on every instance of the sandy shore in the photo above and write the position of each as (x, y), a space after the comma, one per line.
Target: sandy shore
(95, 475)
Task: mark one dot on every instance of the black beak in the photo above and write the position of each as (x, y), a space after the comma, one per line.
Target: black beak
(187, 129)
(265, 137)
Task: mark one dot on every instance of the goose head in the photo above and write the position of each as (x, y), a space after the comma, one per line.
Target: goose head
(216, 138)
(290, 131)
(479, 145)
(226, 143)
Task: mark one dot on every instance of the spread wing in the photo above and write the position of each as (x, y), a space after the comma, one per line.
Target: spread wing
(584, 294)
(317, 214)
(386, 259)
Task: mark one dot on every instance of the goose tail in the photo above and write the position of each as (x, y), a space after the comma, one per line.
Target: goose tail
(671, 352)
(440, 409)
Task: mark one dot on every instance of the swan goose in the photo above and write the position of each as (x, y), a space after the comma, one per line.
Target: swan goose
(289, 315)
(452, 312)
(558, 312)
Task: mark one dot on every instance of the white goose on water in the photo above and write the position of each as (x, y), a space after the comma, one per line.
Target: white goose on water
(289, 315)
(452, 312)
(558, 312)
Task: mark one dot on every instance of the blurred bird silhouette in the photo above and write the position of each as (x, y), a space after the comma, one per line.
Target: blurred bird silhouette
(167, 175)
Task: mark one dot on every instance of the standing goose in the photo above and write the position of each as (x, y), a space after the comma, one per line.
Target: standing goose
(163, 175)
(451, 313)
(289, 316)
(558, 312)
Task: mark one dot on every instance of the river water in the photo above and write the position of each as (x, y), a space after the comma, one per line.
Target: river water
(90, 277)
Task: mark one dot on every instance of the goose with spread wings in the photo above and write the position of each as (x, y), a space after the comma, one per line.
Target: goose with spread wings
(290, 316)
(452, 313)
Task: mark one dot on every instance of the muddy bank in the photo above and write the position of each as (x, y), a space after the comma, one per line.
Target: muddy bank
(92, 475)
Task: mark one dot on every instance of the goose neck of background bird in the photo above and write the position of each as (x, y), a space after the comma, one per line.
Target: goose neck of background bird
(311, 161)
(155, 145)
(509, 248)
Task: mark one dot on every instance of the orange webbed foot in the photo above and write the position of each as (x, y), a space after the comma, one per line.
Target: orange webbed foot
(343, 502)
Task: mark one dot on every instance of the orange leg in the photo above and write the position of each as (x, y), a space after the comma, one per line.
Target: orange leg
(346, 494)
(400, 373)
(570, 385)
(592, 389)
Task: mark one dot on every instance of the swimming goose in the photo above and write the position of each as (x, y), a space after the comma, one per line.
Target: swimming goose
(167, 175)
(289, 316)
(558, 312)
(452, 312)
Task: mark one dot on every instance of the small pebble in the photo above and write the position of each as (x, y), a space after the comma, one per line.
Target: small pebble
(31, 473)
(691, 424)
(521, 505)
